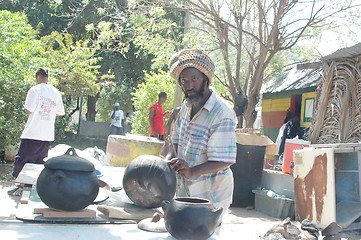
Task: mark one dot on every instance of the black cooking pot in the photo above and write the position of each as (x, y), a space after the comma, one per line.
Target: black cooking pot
(190, 218)
(148, 180)
(68, 182)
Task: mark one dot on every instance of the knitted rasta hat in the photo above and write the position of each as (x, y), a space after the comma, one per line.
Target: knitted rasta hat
(191, 58)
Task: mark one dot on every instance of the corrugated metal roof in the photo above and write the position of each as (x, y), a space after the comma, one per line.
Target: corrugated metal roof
(349, 52)
(293, 79)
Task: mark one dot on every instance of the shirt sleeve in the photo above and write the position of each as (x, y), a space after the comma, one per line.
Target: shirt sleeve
(111, 113)
(60, 107)
(31, 100)
(175, 132)
(222, 143)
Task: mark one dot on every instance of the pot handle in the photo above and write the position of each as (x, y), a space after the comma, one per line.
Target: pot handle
(217, 212)
(58, 176)
(165, 205)
(72, 151)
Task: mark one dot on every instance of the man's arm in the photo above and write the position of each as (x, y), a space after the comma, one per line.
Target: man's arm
(181, 166)
(112, 115)
(152, 113)
(123, 120)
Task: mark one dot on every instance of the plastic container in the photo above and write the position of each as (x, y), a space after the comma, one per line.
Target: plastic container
(273, 204)
(290, 145)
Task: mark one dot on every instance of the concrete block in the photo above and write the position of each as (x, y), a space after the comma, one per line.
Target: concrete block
(11, 151)
(121, 150)
(94, 129)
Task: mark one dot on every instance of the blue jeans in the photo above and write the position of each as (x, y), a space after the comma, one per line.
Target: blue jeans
(116, 130)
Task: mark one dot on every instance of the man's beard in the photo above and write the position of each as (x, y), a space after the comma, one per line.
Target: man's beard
(194, 100)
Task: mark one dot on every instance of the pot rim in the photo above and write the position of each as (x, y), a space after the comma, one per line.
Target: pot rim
(192, 200)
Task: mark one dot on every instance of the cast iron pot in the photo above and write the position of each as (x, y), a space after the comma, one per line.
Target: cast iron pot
(190, 218)
(148, 180)
(68, 182)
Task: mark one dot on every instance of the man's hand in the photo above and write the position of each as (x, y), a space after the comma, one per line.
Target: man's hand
(167, 112)
(181, 166)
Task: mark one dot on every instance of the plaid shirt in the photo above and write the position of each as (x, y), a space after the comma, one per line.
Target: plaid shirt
(209, 136)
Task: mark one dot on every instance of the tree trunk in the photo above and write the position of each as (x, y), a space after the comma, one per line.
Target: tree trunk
(91, 110)
(250, 114)
(79, 120)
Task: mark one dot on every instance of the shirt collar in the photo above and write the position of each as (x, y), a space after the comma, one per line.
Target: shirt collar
(211, 101)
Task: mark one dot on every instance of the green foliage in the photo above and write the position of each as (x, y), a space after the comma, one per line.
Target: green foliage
(73, 71)
(146, 94)
(74, 65)
(20, 56)
(110, 95)
(42, 15)
(157, 32)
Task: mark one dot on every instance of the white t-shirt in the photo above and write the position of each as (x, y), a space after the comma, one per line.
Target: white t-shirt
(117, 120)
(44, 102)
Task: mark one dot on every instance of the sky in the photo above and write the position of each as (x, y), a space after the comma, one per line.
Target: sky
(329, 41)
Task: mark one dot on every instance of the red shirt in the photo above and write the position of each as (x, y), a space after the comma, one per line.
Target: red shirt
(157, 119)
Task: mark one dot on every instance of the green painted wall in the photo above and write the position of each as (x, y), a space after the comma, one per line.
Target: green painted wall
(272, 133)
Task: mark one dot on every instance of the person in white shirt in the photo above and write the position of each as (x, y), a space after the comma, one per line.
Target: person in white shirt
(43, 103)
(117, 124)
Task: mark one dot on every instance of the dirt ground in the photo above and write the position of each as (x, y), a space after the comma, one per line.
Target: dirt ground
(8, 203)
(5, 172)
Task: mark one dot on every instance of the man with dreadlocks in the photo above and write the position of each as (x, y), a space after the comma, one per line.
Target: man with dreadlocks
(203, 133)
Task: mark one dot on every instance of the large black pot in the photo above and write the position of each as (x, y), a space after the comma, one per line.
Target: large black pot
(148, 180)
(190, 218)
(68, 182)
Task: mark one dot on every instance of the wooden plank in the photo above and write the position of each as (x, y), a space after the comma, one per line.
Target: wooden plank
(132, 213)
(39, 210)
(85, 213)
(359, 173)
(25, 196)
(338, 145)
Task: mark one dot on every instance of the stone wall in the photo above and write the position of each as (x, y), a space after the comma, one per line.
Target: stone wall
(97, 129)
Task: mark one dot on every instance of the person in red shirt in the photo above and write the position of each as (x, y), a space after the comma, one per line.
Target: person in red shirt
(156, 126)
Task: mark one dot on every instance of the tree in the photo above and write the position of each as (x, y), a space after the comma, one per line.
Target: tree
(248, 34)
(91, 21)
(75, 68)
(20, 55)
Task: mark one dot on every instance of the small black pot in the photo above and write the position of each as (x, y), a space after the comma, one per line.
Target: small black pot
(68, 182)
(148, 180)
(190, 218)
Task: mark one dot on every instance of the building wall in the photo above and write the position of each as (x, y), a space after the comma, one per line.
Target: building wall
(308, 105)
(275, 106)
